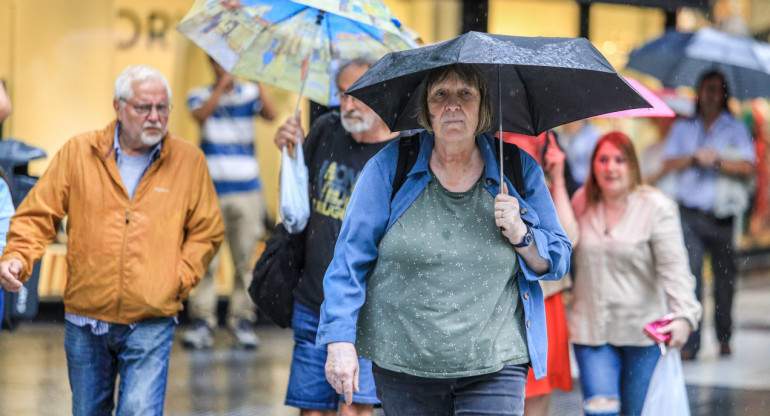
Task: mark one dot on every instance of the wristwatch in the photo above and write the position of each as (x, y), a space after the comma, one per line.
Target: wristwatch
(527, 240)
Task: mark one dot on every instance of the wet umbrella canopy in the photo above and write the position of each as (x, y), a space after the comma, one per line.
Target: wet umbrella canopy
(292, 45)
(678, 58)
(544, 82)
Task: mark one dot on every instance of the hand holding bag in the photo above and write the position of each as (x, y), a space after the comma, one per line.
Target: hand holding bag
(667, 394)
(276, 275)
(652, 328)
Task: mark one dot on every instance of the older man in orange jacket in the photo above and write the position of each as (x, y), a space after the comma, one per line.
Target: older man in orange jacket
(143, 224)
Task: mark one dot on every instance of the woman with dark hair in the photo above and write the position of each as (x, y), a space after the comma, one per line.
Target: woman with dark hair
(438, 284)
(712, 153)
(630, 270)
(713, 94)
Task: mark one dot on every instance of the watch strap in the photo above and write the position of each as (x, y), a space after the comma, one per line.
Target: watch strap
(527, 240)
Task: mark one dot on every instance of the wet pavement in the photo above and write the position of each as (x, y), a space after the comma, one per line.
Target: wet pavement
(229, 381)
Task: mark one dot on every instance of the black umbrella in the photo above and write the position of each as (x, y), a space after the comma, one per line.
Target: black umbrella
(543, 82)
(546, 82)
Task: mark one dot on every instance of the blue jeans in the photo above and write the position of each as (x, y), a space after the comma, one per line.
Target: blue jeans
(308, 388)
(499, 393)
(621, 373)
(139, 355)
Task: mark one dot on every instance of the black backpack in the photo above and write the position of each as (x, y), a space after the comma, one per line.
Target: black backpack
(14, 159)
(409, 148)
(280, 266)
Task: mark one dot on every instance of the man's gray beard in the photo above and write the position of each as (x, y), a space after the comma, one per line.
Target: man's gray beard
(151, 139)
(352, 126)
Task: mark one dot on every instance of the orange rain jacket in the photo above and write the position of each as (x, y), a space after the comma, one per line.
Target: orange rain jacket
(127, 259)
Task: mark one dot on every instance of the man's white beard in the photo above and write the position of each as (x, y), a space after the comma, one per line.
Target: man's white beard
(152, 139)
(352, 125)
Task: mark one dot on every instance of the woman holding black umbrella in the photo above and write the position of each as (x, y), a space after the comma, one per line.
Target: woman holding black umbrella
(437, 284)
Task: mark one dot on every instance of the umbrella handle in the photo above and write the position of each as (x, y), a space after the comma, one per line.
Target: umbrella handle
(500, 128)
(306, 69)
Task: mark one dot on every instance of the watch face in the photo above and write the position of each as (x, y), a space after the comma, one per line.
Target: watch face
(527, 240)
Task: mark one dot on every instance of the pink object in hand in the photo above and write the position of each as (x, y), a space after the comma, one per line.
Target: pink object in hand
(652, 328)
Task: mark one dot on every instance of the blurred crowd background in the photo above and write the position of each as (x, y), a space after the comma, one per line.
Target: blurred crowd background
(58, 61)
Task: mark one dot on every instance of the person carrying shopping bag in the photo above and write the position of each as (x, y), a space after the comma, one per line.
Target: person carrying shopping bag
(630, 269)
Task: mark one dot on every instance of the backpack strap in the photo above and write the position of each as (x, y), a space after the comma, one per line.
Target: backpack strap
(512, 166)
(408, 150)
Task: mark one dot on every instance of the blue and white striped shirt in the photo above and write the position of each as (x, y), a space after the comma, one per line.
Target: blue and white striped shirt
(227, 136)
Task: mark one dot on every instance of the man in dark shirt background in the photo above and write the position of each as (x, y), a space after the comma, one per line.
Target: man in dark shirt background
(336, 149)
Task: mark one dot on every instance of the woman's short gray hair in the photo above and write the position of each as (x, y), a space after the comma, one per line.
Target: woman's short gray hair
(125, 81)
(468, 73)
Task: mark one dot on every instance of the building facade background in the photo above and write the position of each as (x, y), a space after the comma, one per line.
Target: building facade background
(59, 58)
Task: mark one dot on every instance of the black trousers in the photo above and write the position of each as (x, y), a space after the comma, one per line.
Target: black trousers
(705, 233)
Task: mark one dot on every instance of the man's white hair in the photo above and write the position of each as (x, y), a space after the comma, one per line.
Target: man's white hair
(124, 83)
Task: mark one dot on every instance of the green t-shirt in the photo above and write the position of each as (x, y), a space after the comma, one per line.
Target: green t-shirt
(443, 300)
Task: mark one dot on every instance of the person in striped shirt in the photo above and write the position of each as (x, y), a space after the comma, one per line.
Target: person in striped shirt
(225, 112)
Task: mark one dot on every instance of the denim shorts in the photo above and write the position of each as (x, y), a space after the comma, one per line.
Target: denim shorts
(616, 372)
(308, 388)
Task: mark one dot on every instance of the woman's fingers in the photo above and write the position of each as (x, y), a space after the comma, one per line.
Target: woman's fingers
(342, 369)
(347, 390)
(507, 205)
(506, 211)
(679, 330)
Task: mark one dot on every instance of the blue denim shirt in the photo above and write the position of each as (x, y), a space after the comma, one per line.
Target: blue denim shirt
(371, 213)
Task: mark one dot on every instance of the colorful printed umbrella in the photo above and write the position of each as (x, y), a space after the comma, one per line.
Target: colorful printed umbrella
(372, 13)
(280, 42)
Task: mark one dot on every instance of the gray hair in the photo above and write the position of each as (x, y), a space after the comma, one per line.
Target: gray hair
(366, 61)
(125, 81)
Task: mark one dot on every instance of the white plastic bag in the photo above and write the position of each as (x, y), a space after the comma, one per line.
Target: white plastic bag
(294, 198)
(667, 394)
